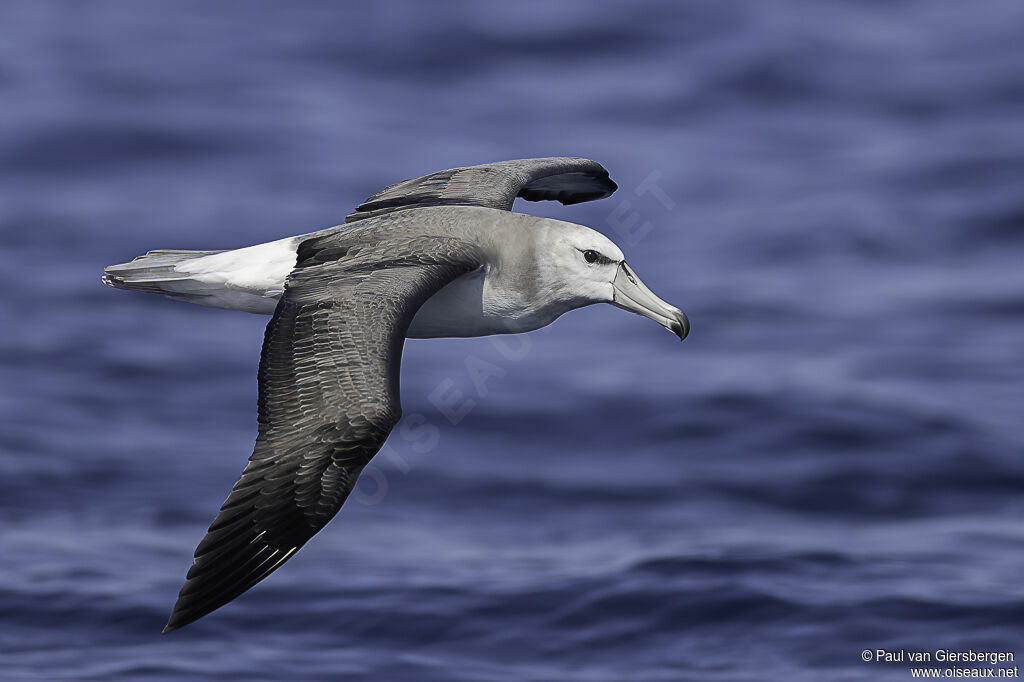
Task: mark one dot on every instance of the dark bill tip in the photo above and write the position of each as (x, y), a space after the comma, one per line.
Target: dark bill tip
(681, 325)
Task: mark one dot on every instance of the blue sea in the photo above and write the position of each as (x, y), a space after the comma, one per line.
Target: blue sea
(832, 462)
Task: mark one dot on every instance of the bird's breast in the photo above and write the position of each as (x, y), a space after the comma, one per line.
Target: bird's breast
(467, 306)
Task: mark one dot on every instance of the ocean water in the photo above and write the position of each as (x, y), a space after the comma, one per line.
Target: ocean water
(832, 462)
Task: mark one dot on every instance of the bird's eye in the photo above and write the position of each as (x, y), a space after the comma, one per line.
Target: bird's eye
(591, 256)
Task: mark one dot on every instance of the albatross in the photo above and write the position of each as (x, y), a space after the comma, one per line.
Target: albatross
(442, 255)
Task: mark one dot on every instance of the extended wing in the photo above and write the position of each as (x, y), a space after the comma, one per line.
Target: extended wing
(328, 397)
(567, 179)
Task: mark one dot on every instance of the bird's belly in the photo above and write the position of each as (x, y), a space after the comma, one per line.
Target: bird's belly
(459, 310)
(455, 310)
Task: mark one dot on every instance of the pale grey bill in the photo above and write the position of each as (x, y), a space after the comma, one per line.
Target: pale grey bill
(634, 296)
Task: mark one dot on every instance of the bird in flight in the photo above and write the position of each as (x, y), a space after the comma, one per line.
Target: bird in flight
(442, 255)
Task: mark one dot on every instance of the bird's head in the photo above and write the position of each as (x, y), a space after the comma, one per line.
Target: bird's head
(579, 266)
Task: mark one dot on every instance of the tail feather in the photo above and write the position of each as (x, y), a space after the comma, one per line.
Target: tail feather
(250, 279)
(154, 271)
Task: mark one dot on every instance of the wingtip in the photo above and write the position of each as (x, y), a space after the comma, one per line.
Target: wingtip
(171, 625)
(178, 620)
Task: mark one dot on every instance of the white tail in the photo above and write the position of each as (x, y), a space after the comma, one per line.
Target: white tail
(249, 279)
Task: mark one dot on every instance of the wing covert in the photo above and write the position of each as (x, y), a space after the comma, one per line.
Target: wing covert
(567, 179)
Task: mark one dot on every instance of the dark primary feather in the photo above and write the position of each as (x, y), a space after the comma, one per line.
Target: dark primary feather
(567, 179)
(328, 396)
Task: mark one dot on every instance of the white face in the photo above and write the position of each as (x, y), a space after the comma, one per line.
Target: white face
(579, 264)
